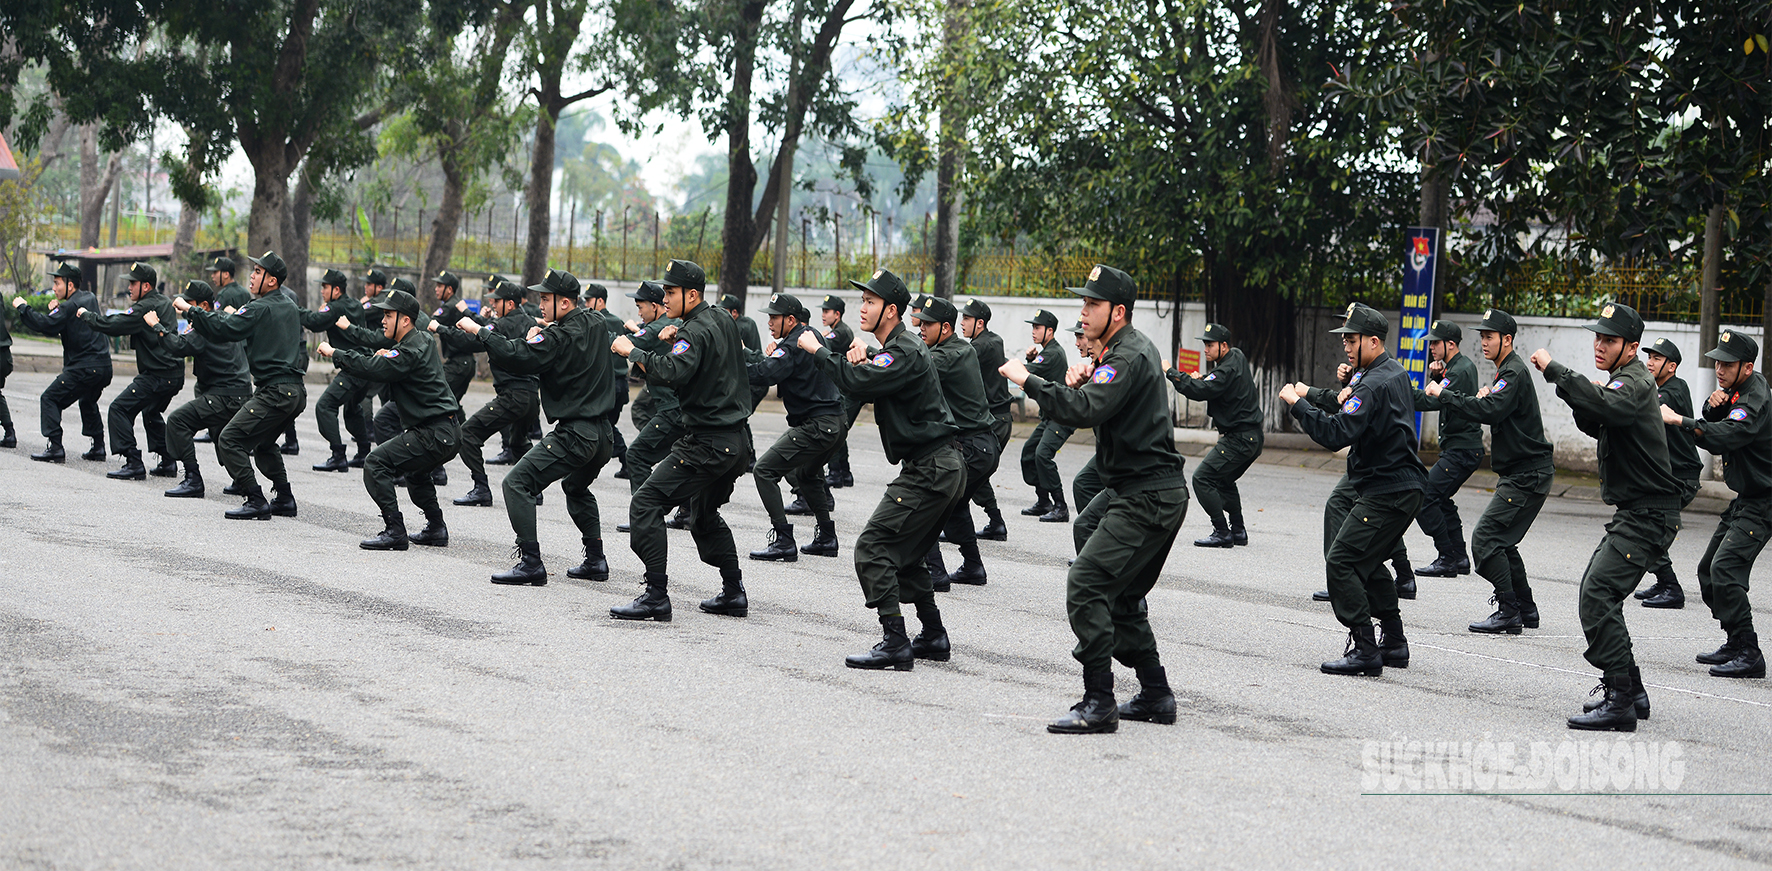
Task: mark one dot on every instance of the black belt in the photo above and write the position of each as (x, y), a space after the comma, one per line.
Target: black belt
(430, 420)
(714, 430)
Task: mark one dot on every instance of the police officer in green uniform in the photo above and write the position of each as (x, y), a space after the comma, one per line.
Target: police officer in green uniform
(705, 364)
(1635, 477)
(228, 292)
(345, 394)
(1045, 358)
(917, 432)
(1376, 421)
(429, 413)
(223, 385)
(1521, 459)
(956, 367)
(1737, 424)
(269, 328)
(1229, 393)
(374, 283)
(571, 357)
(665, 424)
(1682, 457)
(1461, 451)
(86, 364)
(815, 426)
(597, 300)
(1341, 500)
(975, 325)
(386, 422)
(839, 337)
(1123, 397)
(159, 377)
(514, 393)
(1087, 483)
(459, 360)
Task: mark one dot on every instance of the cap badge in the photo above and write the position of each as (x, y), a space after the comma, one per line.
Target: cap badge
(1726, 336)
(1606, 312)
(1095, 273)
(878, 273)
(1350, 309)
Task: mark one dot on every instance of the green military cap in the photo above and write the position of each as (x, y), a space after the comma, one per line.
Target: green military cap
(559, 284)
(975, 308)
(376, 277)
(1497, 321)
(1666, 348)
(887, 287)
(1077, 329)
(1044, 318)
(936, 310)
(649, 291)
(1106, 282)
(833, 303)
(1215, 333)
(685, 273)
(272, 265)
(334, 278)
(1732, 347)
(1364, 320)
(508, 290)
(198, 291)
(593, 290)
(1618, 319)
(1446, 331)
(223, 264)
(404, 284)
(399, 302)
(448, 279)
(66, 270)
(785, 304)
(730, 303)
(921, 300)
(139, 271)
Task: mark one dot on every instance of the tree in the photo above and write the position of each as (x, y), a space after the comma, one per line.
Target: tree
(549, 43)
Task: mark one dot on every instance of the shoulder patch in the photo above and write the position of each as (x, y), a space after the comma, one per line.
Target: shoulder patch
(1039, 358)
(883, 359)
(129, 311)
(536, 339)
(1738, 414)
(681, 346)
(1356, 379)
(1615, 385)
(831, 334)
(779, 352)
(389, 352)
(1351, 405)
(1212, 377)
(1499, 385)
(1103, 375)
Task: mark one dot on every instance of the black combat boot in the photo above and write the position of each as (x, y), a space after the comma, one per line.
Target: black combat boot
(1096, 712)
(435, 533)
(283, 503)
(254, 508)
(361, 455)
(839, 475)
(1748, 661)
(97, 454)
(1220, 537)
(290, 446)
(621, 474)
(168, 468)
(51, 453)
(732, 601)
(1361, 657)
(1720, 655)
(1639, 696)
(1505, 619)
(334, 463)
(504, 457)
(203, 438)
(994, 528)
(654, 604)
(893, 651)
(679, 520)
(1444, 566)
(191, 487)
(824, 542)
(1393, 647)
(1670, 596)
(1060, 513)
(797, 508)
(1616, 712)
(971, 571)
(439, 477)
(528, 570)
(1155, 702)
(10, 440)
(1041, 505)
(595, 567)
(480, 494)
(931, 642)
(132, 469)
(392, 535)
(1405, 580)
(1239, 534)
(1528, 609)
(1320, 596)
(938, 569)
(781, 547)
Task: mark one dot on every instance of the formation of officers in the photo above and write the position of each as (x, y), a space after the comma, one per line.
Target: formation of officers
(937, 379)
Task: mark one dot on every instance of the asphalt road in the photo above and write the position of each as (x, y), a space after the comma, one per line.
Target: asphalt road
(177, 690)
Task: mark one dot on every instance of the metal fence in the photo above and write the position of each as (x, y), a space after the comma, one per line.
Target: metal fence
(1659, 293)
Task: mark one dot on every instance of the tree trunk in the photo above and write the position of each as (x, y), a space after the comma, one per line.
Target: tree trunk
(1709, 310)
(740, 236)
(95, 185)
(184, 244)
(948, 197)
(556, 49)
(444, 228)
(270, 194)
(298, 233)
(537, 195)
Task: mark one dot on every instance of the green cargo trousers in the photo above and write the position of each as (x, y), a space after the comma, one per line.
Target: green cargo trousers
(1116, 568)
(414, 453)
(799, 456)
(202, 413)
(904, 526)
(1635, 539)
(252, 433)
(1495, 542)
(1002, 427)
(506, 408)
(1341, 501)
(1722, 574)
(573, 454)
(1359, 587)
(1215, 478)
(699, 472)
(345, 395)
(657, 436)
(1038, 469)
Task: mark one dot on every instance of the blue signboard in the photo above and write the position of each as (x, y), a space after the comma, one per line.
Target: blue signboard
(1419, 261)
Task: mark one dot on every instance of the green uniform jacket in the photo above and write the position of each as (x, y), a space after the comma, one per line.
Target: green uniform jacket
(705, 365)
(412, 370)
(1741, 431)
(805, 391)
(370, 335)
(82, 347)
(220, 366)
(747, 333)
(1229, 392)
(231, 295)
(1127, 404)
(447, 316)
(991, 358)
(514, 326)
(150, 357)
(270, 329)
(326, 321)
(1050, 364)
(618, 367)
(1378, 422)
(956, 365)
(839, 338)
(1682, 454)
(1458, 430)
(1516, 430)
(664, 399)
(1625, 416)
(900, 380)
(571, 357)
